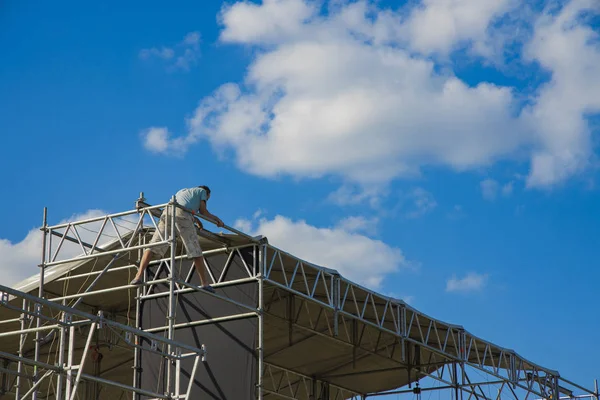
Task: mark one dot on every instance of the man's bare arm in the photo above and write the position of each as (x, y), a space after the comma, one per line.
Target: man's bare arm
(207, 214)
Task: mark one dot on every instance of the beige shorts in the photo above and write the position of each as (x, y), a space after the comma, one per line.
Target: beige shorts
(186, 230)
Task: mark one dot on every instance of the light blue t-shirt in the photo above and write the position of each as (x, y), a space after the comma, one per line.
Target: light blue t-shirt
(191, 198)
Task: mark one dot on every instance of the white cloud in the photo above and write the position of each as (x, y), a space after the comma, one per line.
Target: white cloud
(344, 95)
(471, 282)
(272, 22)
(156, 139)
(507, 189)
(20, 260)
(164, 52)
(422, 202)
(351, 195)
(438, 26)
(183, 55)
(355, 256)
(359, 224)
(489, 189)
(569, 49)
(456, 213)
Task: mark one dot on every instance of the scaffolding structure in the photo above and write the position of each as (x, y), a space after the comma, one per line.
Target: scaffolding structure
(315, 334)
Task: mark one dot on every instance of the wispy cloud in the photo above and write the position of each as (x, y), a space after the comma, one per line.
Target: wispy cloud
(490, 189)
(359, 224)
(470, 283)
(420, 203)
(182, 56)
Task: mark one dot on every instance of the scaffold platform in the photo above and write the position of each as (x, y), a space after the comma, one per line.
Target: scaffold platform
(277, 327)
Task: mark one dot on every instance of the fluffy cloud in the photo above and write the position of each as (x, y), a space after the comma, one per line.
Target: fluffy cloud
(345, 94)
(471, 282)
(182, 56)
(569, 49)
(455, 22)
(20, 260)
(156, 139)
(355, 256)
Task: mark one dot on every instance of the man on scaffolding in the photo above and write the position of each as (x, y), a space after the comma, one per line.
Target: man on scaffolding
(195, 200)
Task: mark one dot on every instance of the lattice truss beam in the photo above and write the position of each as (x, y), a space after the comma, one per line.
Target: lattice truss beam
(332, 306)
(286, 384)
(309, 298)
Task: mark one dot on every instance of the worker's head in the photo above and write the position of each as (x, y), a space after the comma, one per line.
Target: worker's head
(207, 191)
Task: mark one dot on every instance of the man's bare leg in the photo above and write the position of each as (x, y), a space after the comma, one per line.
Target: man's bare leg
(146, 257)
(201, 269)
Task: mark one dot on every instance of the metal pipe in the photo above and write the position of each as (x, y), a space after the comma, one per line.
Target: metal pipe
(61, 357)
(124, 387)
(227, 299)
(67, 278)
(171, 312)
(70, 362)
(91, 285)
(83, 359)
(96, 219)
(33, 390)
(7, 321)
(409, 391)
(40, 295)
(261, 322)
(204, 322)
(30, 330)
(22, 337)
(194, 288)
(191, 382)
(106, 253)
(28, 361)
(101, 291)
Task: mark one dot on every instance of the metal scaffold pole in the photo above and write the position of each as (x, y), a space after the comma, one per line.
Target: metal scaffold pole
(41, 295)
(22, 337)
(171, 316)
(261, 322)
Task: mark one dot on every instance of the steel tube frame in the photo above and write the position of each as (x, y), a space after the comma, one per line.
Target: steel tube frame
(22, 337)
(40, 295)
(261, 318)
(337, 299)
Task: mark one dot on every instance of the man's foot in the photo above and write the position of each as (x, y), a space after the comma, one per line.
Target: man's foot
(208, 288)
(136, 281)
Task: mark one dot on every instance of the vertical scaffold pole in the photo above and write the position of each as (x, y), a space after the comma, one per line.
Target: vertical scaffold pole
(263, 268)
(138, 305)
(22, 337)
(41, 295)
(61, 356)
(171, 317)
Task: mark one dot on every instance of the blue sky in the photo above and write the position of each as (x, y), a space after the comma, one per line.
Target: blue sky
(458, 144)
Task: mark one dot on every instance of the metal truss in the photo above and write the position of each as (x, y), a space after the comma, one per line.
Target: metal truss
(394, 324)
(309, 298)
(286, 384)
